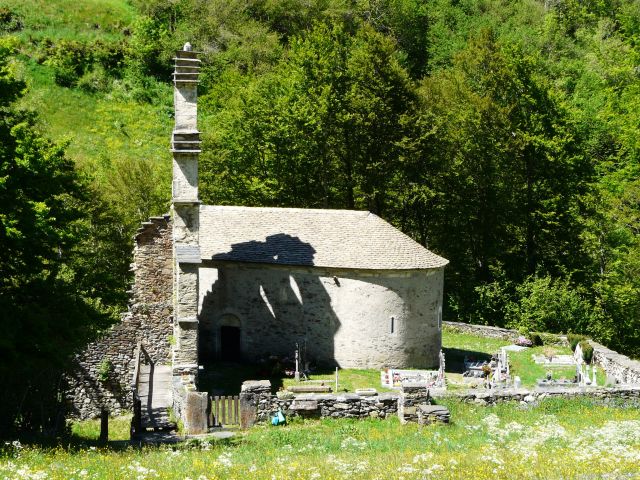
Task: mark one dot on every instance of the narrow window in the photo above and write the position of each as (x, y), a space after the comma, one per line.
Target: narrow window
(393, 324)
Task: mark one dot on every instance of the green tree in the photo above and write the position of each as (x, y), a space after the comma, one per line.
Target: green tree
(47, 310)
(509, 181)
(321, 130)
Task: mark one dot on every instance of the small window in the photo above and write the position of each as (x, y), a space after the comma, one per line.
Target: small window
(440, 317)
(393, 324)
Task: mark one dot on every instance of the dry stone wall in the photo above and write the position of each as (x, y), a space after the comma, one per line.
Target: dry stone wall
(629, 394)
(258, 405)
(103, 371)
(616, 366)
(483, 330)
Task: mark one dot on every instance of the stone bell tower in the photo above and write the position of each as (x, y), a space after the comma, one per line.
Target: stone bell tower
(185, 206)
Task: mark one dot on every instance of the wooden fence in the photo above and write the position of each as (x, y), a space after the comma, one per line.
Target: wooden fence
(225, 411)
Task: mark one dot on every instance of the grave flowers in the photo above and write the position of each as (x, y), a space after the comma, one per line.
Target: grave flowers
(523, 342)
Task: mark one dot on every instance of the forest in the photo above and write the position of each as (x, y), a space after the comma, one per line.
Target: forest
(502, 135)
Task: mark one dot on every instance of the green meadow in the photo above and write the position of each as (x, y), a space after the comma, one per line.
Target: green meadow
(554, 439)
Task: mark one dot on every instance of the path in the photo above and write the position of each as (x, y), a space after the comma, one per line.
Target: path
(154, 389)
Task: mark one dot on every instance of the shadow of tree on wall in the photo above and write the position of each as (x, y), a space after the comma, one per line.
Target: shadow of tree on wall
(276, 307)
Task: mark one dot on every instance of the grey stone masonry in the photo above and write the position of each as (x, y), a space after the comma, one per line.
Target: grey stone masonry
(258, 405)
(185, 206)
(413, 395)
(102, 373)
(428, 414)
(630, 395)
(616, 365)
(185, 146)
(483, 330)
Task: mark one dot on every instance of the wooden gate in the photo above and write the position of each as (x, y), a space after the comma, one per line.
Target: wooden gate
(225, 411)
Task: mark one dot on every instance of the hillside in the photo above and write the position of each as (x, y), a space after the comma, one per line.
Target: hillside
(501, 135)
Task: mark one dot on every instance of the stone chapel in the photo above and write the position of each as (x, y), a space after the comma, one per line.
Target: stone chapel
(240, 284)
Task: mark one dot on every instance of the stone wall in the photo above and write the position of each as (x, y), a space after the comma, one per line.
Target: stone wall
(490, 397)
(258, 405)
(484, 330)
(148, 320)
(616, 366)
(348, 318)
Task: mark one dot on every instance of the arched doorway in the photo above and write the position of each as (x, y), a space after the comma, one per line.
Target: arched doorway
(230, 336)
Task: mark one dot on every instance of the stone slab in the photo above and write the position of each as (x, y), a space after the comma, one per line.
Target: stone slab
(306, 405)
(309, 388)
(515, 348)
(195, 413)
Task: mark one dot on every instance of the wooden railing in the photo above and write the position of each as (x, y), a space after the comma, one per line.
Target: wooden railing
(136, 421)
(224, 411)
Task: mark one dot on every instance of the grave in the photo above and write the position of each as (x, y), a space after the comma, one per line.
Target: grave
(555, 361)
(394, 378)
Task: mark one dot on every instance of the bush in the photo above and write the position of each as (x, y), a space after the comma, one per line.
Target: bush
(574, 339)
(587, 351)
(104, 370)
(95, 81)
(550, 338)
(535, 338)
(70, 60)
(491, 303)
(9, 21)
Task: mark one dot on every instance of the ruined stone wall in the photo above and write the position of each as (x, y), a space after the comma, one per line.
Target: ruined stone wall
(349, 318)
(148, 320)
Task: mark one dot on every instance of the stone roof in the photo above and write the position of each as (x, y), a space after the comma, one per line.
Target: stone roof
(309, 237)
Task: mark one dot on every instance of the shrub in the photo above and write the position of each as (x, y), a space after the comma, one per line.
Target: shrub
(104, 370)
(574, 339)
(70, 60)
(9, 21)
(491, 303)
(535, 338)
(94, 81)
(550, 338)
(587, 351)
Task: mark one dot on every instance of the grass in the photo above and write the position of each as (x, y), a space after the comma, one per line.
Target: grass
(123, 144)
(226, 378)
(101, 130)
(556, 439)
(349, 380)
(72, 19)
(89, 430)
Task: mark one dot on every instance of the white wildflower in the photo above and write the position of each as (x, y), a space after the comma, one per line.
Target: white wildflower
(225, 459)
(352, 442)
(422, 457)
